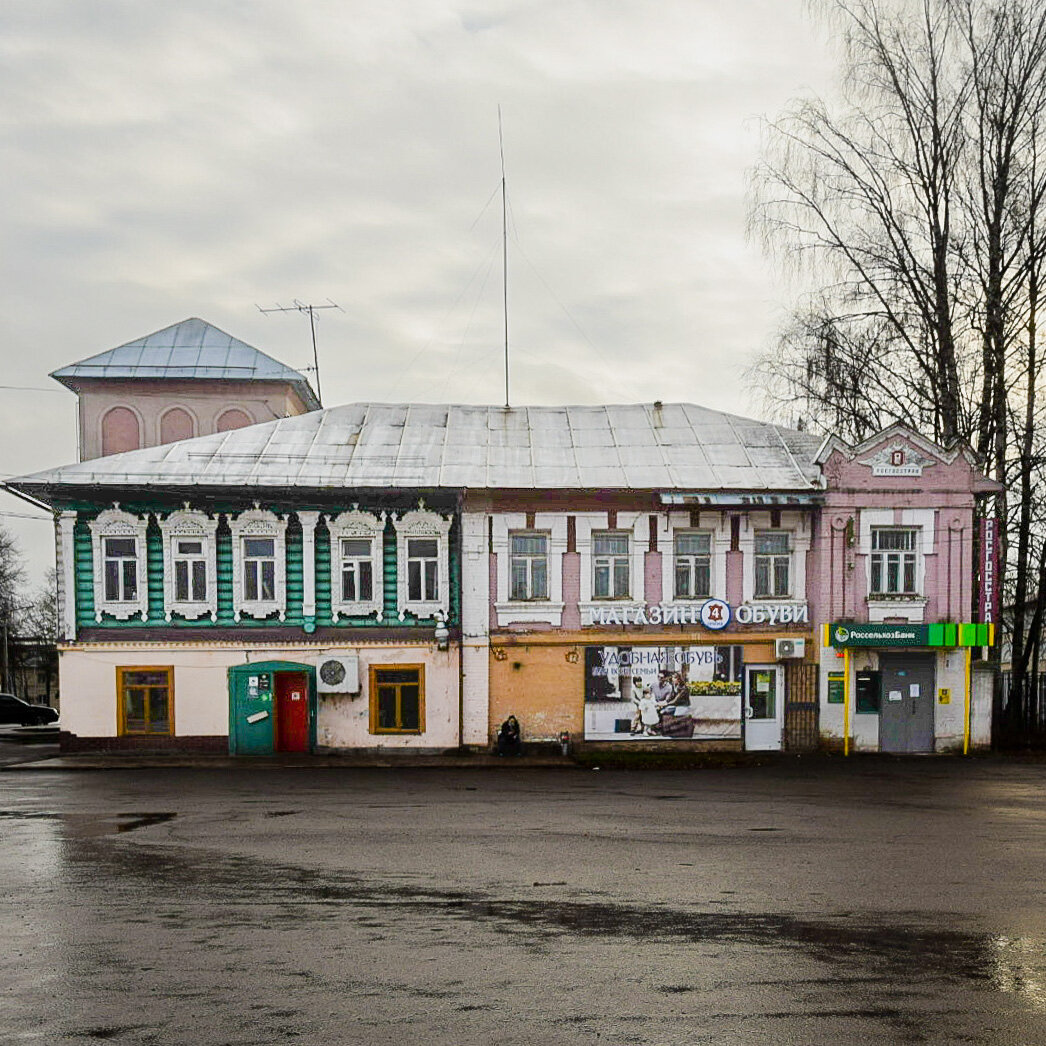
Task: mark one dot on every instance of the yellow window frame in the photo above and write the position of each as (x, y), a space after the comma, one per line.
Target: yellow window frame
(375, 728)
(121, 707)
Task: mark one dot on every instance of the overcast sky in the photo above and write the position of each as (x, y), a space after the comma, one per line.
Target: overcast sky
(198, 158)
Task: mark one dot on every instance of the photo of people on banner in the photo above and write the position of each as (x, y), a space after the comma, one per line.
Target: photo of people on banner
(676, 693)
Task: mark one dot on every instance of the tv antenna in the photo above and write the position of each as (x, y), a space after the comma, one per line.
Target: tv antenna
(300, 306)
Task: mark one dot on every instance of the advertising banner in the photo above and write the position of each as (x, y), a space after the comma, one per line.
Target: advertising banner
(989, 596)
(669, 692)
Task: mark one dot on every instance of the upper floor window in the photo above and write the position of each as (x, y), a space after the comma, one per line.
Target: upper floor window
(120, 570)
(357, 570)
(693, 563)
(773, 564)
(356, 563)
(422, 569)
(528, 566)
(422, 563)
(190, 571)
(259, 564)
(259, 569)
(190, 564)
(611, 565)
(893, 560)
(119, 559)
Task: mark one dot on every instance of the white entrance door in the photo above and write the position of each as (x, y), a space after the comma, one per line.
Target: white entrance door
(763, 707)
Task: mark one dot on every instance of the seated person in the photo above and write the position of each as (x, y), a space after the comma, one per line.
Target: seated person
(509, 741)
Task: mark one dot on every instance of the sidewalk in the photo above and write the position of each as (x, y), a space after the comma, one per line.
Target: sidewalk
(286, 761)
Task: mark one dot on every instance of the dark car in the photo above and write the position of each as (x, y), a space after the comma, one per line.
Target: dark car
(15, 710)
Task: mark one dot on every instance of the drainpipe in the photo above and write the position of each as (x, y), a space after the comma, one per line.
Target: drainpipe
(966, 710)
(461, 621)
(846, 700)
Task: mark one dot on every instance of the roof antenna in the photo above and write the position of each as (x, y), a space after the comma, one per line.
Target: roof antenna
(300, 306)
(504, 247)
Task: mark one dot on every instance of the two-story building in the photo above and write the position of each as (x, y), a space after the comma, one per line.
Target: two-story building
(381, 575)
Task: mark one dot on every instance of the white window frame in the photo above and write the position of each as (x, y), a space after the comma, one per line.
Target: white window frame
(614, 558)
(259, 523)
(193, 525)
(116, 523)
(677, 522)
(425, 524)
(798, 525)
(528, 560)
(911, 608)
(788, 555)
(360, 526)
(638, 526)
(549, 610)
(903, 555)
(690, 560)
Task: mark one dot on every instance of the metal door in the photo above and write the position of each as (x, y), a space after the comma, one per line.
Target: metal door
(763, 705)
(250, 711)
(292, 712)
(906, 718)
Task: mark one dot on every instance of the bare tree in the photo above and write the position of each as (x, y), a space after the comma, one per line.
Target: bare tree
(918, 208)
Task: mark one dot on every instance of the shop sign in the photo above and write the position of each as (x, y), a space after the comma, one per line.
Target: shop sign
(941, 634)
(879, 635)
(714, 614)
(989, 601)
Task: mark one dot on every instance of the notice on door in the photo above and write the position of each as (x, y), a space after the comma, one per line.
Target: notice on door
(895, 695)
(913, 690)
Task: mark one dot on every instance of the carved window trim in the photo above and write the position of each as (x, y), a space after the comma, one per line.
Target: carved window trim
(366, 526)
(192, 524)
(116, 523)
(423, 523)
(259, 523)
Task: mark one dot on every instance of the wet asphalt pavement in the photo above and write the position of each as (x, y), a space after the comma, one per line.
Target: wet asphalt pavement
(801, 903)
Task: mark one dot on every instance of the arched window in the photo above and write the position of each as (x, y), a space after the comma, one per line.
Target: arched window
(233, 418)
(120, 431)
(176, 424)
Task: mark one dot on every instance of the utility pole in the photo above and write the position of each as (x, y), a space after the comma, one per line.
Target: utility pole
(310, 310)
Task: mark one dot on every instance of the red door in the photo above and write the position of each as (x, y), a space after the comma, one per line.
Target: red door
(292, 712)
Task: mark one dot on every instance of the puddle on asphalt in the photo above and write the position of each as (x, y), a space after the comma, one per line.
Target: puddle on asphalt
(903, 951)
(90, 825)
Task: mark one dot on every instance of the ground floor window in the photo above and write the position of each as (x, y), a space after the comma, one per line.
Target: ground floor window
(146, 700)
(397, 699)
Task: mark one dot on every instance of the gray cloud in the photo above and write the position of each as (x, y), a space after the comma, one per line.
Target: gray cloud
(165, 160)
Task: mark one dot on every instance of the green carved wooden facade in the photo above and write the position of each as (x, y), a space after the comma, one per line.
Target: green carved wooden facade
(294, 618)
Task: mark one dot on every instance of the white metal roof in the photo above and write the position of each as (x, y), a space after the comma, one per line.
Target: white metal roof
(192, 349)
(676, 446)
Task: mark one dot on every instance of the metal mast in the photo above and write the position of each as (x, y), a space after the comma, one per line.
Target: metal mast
(504, 249)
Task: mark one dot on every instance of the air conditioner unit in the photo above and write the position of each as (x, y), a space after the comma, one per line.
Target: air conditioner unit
(338, 674)
(789, 648)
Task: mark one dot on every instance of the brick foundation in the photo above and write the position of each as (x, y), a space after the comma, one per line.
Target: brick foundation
(213, 744)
